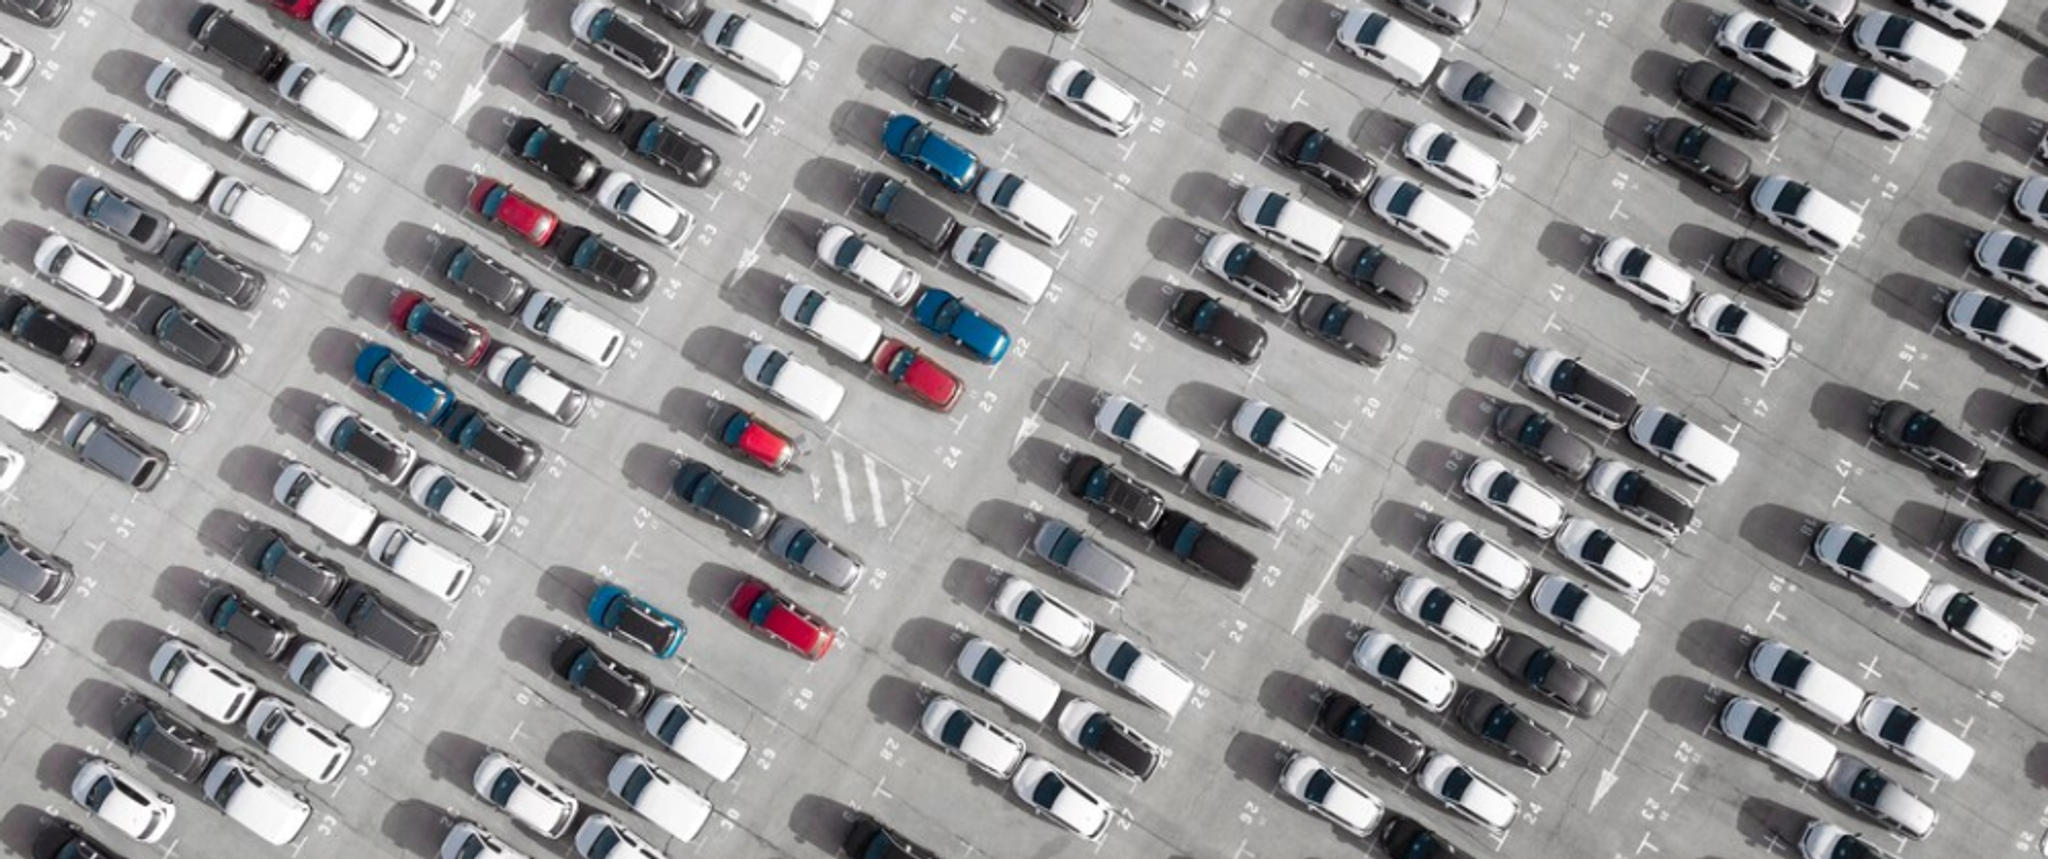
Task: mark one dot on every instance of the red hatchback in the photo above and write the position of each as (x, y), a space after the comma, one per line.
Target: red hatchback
(747, 435)
(439, 329)
(513, 211)
(924, 378)
(300, 9)
(764, 609)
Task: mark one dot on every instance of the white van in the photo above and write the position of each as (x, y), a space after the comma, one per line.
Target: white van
(1283, 438)
(330, 509)
(428, 565)
(329, 101)
(572, 329)
(1002, 263)
(258, 802)
(1818, 221)
(203, 105)
(754, 47)
(683, 729)
(172, 167)
(263, 217)
(24, 402)
(1289, 223)
(799, 386)
(833, 323)
(1158, 440)
(20, 638)
(292, 155)
(1228, 484)
(338, 684)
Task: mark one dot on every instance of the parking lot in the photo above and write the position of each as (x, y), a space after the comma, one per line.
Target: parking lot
(939, 505)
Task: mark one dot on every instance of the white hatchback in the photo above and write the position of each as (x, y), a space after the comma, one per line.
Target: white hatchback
(293, 739)
(531, 801)
(852, 255)
(795, 384)
(339, 684)
(1465, 167)
(1420, 215)
(1760, 44)
(1645, 274)
(328, 101)
(2014, 260)
(1795, 674)
(363, 37)
(1002, 264)
(1488, 563)
(202, 683)
(292, 154)
(1817, 220)
(1681, 444)
(1873, 566)
(1104, 104)
(829, 321)
(1920, 53)
(120, 801)
(1596, 550)
(661, 798)
(1026, 205)
(456, 503)
(1968, 620)
(1020, 687)
(1885, 104)
(1450, 617)
(1464, 790)
(1140, 674)
(686, 731)
(1593, 620)
(1906, 733)
(1289, 223)
(966, 735)
(1740, 332)
(1525, 505)
(86, 274)
(1384, 659)
(1042, 615)
(1280, 436)
(1330, 794)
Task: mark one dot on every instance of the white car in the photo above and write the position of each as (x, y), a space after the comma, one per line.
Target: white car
(1972, 18)
(163, 162)
(1465, 167)
(1042, 615)
(1026, 205)
(421, 562)
(1242, 493)
(1645, 274)
(122, 802)
(293, 739)
(1289, 223)
(263, 217)
(88, 275)
(708, 91)
(466, 839)
(245, 795)
(1149, 435)
(572, 329)
(751, 46)
(1020, 687)
(603, 837)
(1760, 44)
(1261, 276)
(1280, 436)
(1968, 620)
(434, 12)
(1050, 792)
(1464, 790)
(456, 503)
(16, 63)
(1331, 794)
(1795, 674)
(20, 638)
(531, 801)
(1823, 840)
(1757, 726)
(1867, 789)
(1386, 660)
(1998, 552)
(1683, 445)
(1420, 215)
(2014, 260)
(339, 684)
(966, 735)
(1139, 674)
(683, 729)
(363, 37)
(202, 683)
(1595, 621)
(810, 13)
(2019, 337)
(1001, 263)
(1449, 616)
(1921, 54)
(661, 798)
(1525, 505)
(328, 101)
(1731, 325)
(830, 321)
(1907, 734)
(1817, 220)
(1875, 567)
(2030, 201)
(1104, 104)
(1596, 550)
(803, 388)
(1488, 563)
(1404, 53)
(854, 256)
(1887, 105)
(330, 509)
(536, 385)
(202, 104)
(292, 154)
(644, 209)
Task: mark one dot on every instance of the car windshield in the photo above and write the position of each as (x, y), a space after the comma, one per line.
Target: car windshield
(764, 605)
(1435, 606)
(1729, 321)
(1723, 86)
(1404, 198)
(1869, 785)
(800, 546)
(947, 314)
(1455, 783)
(1957, 614)
(985, 670)
(504, 786)
(1539, 666)
(2017, 252)
(1500, 723)
(1789, 198)
(1063, 548)
(1568, 600)
(1468, 548)
(1048, 791)
(1759, 36)
(1503, 488)
(1120, 663)
(1334, 319)
(1205, 317)
(1598, 544)
(1369, 29)
(1440, 147)
(941, 79)
(1027, 607)
(1634, 262)
(1666, 433)
(1268, 423)
(1857, 87)
(1629, 489)
(1533, 430)
(1762, 263)
(2027, 493)
(1269, 211)
(1221, 480)
(1791, 667)
(1919, 428)
(1475, 89)
(1692, 141)
(955, 728)
(1318, 786)
(606, 839)
(1368, 261)
(1989, 312)
(1394, 661)
(1893, 33)
(983, 248)
(1078, 87)
(1855, 550)
(1763, 724)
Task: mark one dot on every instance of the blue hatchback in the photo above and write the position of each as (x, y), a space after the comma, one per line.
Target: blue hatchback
(916, 144)
(944, 313)
(617, 611)
(428, 399)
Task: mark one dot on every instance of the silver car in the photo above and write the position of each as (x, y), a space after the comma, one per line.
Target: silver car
(1082, 557)
(1477, 92)
(805, 550)
(152, 395)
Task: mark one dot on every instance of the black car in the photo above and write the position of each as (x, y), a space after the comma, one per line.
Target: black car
(1644, 501)
(167, 742)
(940, 86)
(711, 493)
(45, 331)
(383, 623)
(1404, 838)
(1369, 267)
(1313, 151)
(1542, 670)
(185, 336)
(2020, 493)
(295, 569)
(1542, 439)
(1113, 743)
(42, 577)
(210, 272)
(2029, 422)
(1508, 731)
(486, 279)
(561, 80)
(1781, 279)
(601, 678)
(1334, 321)
(1205, 550)
(491, 443)
(1114, 491)
(911, 214)
(1202, 317)
(1353, 723)
(552, 154)
(867, 838)
(60, 838)
(660, 142)
(685, 14)
(238, 44)
(1718, 93)
(232, 615)
(1926, 440)
(1065, 16)
(1699, 154)
(603, 264)
(46, 13)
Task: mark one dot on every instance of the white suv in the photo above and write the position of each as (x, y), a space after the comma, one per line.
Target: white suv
(1286, 440)
(1026, 205)
(1681, 444)
(1823, 691)
(1524, 504)
(339, 684)
(966, 735)
(170, 166)
(1289, 223)
(293, 155)
(661, 798)
(1490, 564)
(797, 385)
(214, 690)
(1801, 750)
(831, 322)
(686, 731)
(1042, 615)
(304, 746)
(1450, 617)
(1875, 567)
(328, 101)
(246, 796)
(1595, 621)
(852, 255)
(1020, 687)
(1158, 440)
(422, 562)
(2014, 334)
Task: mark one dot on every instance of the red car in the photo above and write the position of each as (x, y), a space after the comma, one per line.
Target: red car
(764, 609)
(300, 9)
(514, 212)
(439, 329)
(747, 435)
(923, 377)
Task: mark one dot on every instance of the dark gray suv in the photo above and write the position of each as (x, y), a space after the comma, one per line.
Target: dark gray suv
(382, 623)
(107, 448)
(44, 578)
(167, 742)
(152, 395)
(1926, 440)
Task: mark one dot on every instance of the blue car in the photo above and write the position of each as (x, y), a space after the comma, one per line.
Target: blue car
(629, 618)
(916, 144)
(396, 379)
(945, 314)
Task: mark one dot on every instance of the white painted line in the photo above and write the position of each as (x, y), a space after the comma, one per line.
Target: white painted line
(874, 490)
(845, 499)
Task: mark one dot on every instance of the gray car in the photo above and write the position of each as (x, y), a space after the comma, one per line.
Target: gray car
(1334, 321)
(805, 550)
(167, 742)
(152, 395)
(1694, 150)
(96, 441)
(118, 215)
(1542, 670)
(211, 272)
(185, 336)
(1185, 14)
(2022, 494)
(295, 569)
(45, 578)
(1084, 558)
(383, 623)
(1449, 17)
(485, 279)
(1508, 731)
(1478, 92)
(1538, 437)
(1826, 16)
